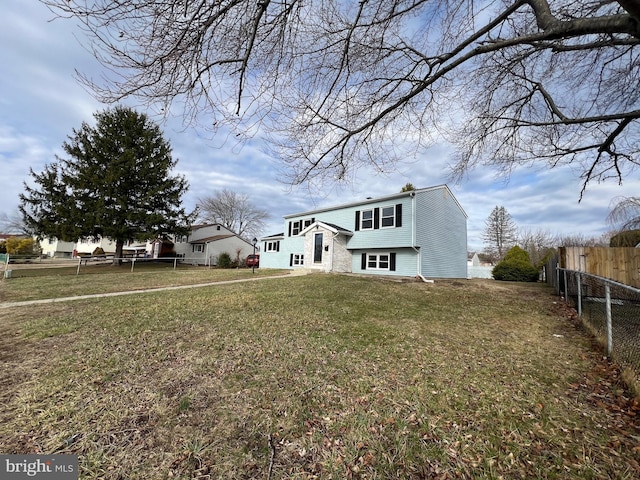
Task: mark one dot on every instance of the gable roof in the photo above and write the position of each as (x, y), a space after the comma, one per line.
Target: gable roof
(213, 238)
(369, 200)
(329, 226)
(203, 225)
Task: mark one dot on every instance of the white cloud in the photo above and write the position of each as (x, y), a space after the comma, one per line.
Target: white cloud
(42, 103)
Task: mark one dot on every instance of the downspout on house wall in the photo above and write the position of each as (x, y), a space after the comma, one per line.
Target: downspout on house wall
(413, 236)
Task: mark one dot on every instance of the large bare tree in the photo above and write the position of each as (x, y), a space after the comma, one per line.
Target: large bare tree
(625, 213)
(234, 211)
(13, 223)
(339, 84)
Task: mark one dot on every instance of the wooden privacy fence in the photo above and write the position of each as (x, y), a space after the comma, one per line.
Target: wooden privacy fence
(621, 264)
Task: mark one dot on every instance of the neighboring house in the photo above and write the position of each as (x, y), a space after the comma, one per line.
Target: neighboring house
(478, 266)
(52, 247)
(205, 243)
(86, 246)
(416, 233)
(201, 246)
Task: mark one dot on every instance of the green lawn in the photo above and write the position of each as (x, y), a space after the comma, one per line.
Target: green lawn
(321, 376)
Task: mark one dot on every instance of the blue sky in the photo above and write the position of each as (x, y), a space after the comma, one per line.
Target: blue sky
(41, 103)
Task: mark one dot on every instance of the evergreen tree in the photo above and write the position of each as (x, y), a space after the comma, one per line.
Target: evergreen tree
(500, 233)
(115, 184)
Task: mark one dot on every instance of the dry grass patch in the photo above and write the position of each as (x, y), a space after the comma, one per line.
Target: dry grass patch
(40, 283)
(316, 377)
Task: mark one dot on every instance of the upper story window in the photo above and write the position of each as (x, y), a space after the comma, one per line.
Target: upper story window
(388, 216)
(366, 220)
(297, 226)
(273, 246)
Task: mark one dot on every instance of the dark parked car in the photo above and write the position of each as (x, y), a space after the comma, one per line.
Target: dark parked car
(253, 260)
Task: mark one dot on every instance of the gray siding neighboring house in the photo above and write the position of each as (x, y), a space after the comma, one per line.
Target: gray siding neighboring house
(421, 232)
(205, 243)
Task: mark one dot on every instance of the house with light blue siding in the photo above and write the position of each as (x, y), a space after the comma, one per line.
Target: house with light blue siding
(421, 232)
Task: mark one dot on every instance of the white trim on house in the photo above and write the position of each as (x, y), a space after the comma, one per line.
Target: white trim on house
(420, 232)
(378, 262)
(327, 226)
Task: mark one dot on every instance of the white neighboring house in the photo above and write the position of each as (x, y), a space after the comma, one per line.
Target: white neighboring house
(87, 246)
(202, 246)
(52, 247)
(205, 243)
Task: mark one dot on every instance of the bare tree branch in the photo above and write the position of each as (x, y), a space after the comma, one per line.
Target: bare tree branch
(338, 85)
(234, 211)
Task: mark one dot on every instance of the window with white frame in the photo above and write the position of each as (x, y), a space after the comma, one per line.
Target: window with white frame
(272, 246)
(198, 248)
(388, 216)
(296, 227)
(366, 220)
(378, 261)
(297, 260)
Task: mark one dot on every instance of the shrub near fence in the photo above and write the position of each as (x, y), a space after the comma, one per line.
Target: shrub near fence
(610, 309)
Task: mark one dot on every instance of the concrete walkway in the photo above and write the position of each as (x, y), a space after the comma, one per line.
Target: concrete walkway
(295, 273)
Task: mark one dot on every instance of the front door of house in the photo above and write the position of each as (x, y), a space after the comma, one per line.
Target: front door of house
(317, 248)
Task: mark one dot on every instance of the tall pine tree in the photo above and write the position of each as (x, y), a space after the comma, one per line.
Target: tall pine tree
(115, 184)
(500, 233)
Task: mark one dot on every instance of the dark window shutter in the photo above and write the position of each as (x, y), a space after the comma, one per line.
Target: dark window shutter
(289, 228)
(392, 261)
(376, 218)
(399, 215)
(291, 260)
(278, 246)
(363, 264)
(357, 220)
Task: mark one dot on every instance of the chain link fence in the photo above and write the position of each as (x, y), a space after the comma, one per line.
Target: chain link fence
(610, 309)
